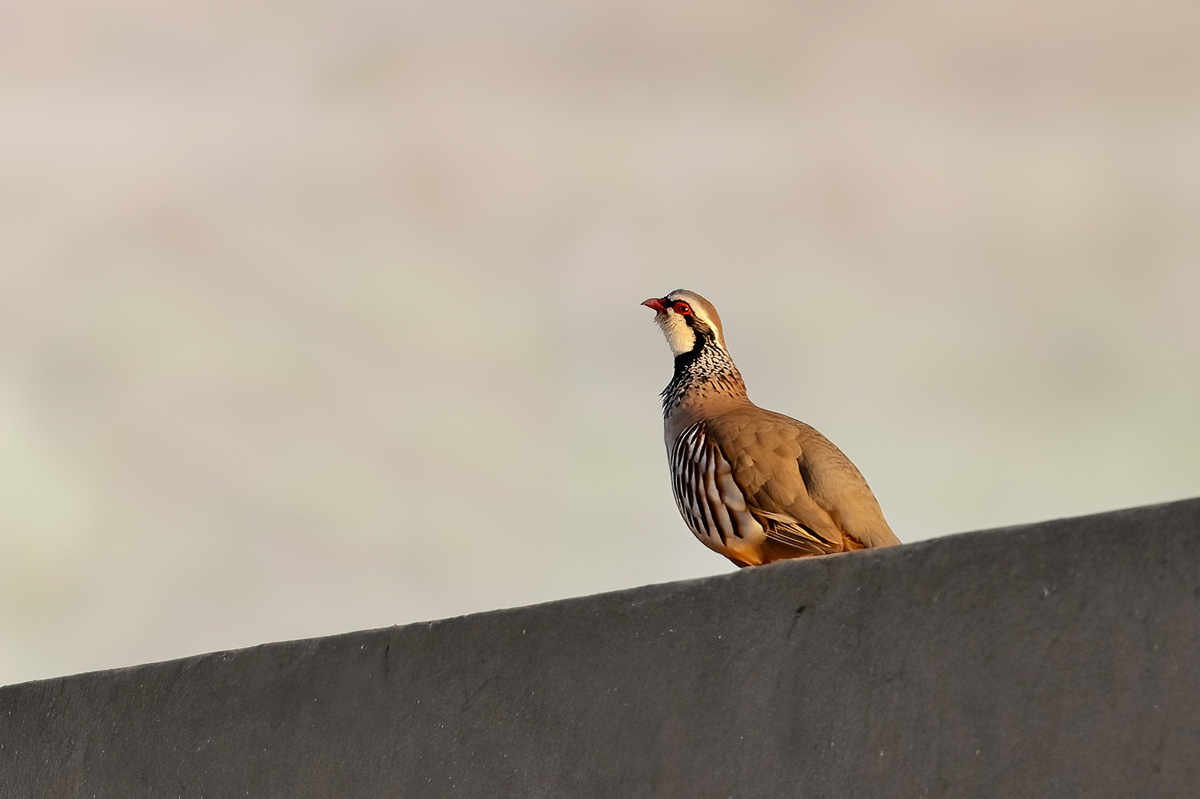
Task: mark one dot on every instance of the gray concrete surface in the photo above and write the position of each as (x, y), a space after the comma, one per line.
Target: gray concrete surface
(1060, 659)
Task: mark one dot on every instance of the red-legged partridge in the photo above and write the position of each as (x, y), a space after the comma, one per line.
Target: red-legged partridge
(751, 484)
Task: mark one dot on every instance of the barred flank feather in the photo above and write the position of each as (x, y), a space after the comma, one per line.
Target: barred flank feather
(705, 492)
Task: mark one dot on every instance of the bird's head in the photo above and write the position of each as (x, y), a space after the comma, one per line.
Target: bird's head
(687, 320)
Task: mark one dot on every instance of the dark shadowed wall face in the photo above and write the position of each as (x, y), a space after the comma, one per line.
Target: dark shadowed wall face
(1055, 659)
(326, 317)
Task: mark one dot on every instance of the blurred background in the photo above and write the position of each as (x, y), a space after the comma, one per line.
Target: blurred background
(323, 316)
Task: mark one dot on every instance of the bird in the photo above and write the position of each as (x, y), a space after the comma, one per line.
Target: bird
(753, 485)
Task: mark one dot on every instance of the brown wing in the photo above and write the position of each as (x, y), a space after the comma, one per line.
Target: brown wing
(789, 471)
(715, 508)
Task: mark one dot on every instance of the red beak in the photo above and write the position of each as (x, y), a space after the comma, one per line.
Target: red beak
(656, 304)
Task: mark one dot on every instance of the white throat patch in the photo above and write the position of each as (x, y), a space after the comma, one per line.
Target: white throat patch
(680, 337)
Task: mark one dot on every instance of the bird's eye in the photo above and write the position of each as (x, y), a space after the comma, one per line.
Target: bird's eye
(682, 308)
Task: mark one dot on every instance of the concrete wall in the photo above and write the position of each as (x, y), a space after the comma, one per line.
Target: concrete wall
(1056, 660)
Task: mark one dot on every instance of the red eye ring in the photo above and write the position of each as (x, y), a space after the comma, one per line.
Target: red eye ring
(682, 308)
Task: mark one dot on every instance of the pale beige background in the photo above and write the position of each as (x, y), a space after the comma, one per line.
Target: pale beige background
(323, 316)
